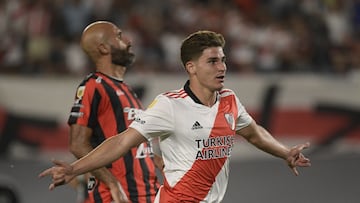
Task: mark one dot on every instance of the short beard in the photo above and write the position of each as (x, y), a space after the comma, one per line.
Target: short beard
(122, 57)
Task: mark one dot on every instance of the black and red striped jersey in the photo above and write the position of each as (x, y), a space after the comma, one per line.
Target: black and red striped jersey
(108, 106)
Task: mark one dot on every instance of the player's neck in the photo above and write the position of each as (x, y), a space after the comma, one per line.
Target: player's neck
(205, 96)
(116, 72)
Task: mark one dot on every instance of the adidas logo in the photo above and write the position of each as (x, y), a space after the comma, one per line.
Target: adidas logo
(196, 126)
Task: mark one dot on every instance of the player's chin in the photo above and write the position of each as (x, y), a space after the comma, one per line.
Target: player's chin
(219, 87)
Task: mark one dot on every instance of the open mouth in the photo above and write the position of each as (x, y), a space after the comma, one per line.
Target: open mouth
(220, 77)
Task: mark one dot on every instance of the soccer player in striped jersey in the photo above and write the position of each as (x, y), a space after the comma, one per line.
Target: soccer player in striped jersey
(105, 106)
(196, 126)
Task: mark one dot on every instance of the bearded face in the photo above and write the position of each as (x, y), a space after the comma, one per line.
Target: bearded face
(122, 57)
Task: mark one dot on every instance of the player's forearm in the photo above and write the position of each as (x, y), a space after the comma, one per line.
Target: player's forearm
(103, 174)
(267, 143)
(104, 154)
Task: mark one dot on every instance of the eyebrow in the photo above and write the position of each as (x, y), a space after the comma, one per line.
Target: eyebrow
(216, 58)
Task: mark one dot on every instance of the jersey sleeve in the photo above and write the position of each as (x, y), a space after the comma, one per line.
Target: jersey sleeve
(156, 120)
(243, 119)
(84, 109)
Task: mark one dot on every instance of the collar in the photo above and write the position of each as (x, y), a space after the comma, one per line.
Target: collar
(191, 93)
(111, 77)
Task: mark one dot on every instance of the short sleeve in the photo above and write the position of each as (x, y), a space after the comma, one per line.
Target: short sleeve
(243, 119)
(84, 109)
(157, 120)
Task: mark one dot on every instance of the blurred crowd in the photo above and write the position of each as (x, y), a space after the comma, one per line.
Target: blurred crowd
(316, 36)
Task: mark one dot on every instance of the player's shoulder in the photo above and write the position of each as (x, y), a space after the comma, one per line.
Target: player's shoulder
(174, 94)
(91, 79)
(166, 98)
(226, 92)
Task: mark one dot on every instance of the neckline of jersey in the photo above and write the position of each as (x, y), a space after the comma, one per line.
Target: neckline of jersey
(192, 95)
(110, 77)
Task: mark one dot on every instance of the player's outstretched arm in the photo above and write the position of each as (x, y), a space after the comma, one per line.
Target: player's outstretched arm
(107, 152)
(263, 140)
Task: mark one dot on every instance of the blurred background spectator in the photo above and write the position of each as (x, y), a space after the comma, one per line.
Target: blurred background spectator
(316, 36)
(302, 38)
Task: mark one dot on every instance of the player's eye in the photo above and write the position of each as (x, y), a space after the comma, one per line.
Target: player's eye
(119, 35)
(212, 61)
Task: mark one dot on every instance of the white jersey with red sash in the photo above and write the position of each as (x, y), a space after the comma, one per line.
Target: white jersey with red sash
(195, 141)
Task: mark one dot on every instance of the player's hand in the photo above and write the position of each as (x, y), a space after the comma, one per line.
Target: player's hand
(295, 158)
(117, 193)
(60, 172)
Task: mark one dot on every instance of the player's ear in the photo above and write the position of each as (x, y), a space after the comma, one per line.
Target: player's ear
(103, 49)
(190, 67)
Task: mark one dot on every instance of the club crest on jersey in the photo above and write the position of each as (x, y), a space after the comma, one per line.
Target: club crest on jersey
(230, 120)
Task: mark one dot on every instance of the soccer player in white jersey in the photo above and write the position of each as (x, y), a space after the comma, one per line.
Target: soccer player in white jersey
(196, 126)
